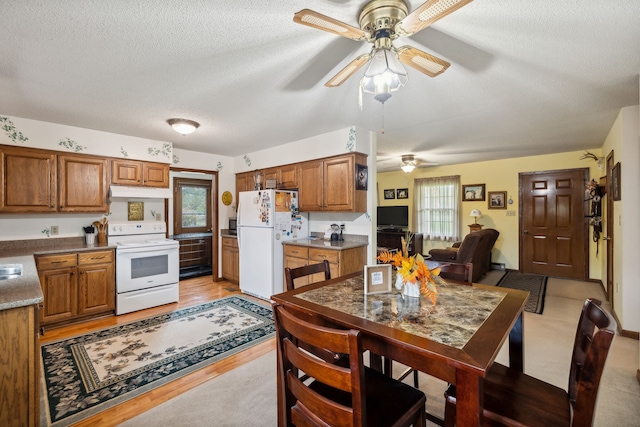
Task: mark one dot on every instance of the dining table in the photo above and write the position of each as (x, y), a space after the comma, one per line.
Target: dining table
(457, 340)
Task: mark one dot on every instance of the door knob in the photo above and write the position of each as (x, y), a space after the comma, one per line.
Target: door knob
(606, 238)
(525, 231)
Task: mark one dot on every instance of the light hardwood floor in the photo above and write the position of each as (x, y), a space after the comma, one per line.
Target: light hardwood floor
(194, 291)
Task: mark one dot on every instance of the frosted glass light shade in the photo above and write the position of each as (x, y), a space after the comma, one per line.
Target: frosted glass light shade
(183, 126)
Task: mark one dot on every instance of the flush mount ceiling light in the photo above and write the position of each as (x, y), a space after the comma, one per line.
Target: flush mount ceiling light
(183, 126)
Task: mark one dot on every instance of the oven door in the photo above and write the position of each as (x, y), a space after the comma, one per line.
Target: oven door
(141, 268)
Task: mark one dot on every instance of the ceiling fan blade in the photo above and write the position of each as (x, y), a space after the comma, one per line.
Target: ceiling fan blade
(422, 61)
(427, 14)
(348, 71)
(322, 22)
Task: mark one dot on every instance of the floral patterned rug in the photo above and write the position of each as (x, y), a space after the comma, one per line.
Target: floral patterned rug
(90, 373)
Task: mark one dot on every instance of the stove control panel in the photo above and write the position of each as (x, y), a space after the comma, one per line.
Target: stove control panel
(133, 228)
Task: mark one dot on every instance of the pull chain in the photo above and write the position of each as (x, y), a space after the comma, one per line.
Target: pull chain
(383, 118)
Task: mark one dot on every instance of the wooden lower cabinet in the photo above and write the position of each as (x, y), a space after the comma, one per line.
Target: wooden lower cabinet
(76, 285)
(19, 367)
(341, 262)
(230, 259)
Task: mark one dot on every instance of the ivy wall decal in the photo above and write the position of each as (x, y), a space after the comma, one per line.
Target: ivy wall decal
(10, 129)
(351, 142)
(71, 145)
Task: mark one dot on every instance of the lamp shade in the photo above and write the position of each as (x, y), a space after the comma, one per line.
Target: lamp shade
(475, 213)
(408, 167)
(183, 126)
(384, 75)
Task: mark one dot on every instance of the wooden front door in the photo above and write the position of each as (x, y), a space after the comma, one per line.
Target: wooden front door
(553, 228)
(609, 230)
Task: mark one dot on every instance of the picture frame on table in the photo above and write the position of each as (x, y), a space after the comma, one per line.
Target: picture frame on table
(390, 194)
(615, 182)
(402, 193)
(377, 279)
(497, 200)
(473, 193)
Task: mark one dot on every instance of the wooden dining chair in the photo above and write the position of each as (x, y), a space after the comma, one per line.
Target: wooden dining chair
(335, 395)
(290, 274)
(457, 272)
(514, 398)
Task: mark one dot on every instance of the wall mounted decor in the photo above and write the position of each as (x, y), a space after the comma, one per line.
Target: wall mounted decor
(402, 193)
(473, 193)
(390, 194)
(497, 200)
(135, 211)
(362, 176)
(615, 182)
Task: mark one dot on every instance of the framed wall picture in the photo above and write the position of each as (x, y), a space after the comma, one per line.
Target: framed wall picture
(390, 194)
(473, 193)
(377, 279)
(402, 193)
(135, 211)
(615, 182)
(497, 200)
(362, 176)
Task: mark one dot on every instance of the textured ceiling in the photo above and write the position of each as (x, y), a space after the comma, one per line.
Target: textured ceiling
(526, 77)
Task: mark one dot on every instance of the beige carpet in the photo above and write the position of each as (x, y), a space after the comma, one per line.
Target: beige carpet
(246, 396)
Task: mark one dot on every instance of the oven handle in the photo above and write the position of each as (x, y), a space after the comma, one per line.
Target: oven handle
(147, 249)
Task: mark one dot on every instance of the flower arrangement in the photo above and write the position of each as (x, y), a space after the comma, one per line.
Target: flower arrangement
(414, 270)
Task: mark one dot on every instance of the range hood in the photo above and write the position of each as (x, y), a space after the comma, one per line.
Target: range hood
(131, 192)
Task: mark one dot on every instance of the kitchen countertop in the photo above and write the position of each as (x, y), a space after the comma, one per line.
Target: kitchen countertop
(327, 244)
(25, 289)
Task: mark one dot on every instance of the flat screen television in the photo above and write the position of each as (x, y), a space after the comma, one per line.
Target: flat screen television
(393, 217)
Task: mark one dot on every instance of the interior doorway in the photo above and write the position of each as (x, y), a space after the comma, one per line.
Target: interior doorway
(553, 228)
(609, 229)
(193, 216)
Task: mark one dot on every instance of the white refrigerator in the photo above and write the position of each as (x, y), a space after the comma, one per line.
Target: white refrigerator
(266, 218)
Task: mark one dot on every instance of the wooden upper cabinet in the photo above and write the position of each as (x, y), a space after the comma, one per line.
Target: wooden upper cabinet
(310, 186)
(244, 182)
(155, 174)
(288, 176)
(28, 180)
(126, 172)
(330, 185)
(82, 183)
(134, 172)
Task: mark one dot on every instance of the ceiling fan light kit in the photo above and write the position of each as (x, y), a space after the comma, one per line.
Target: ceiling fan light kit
(183, 126)
(381, 22)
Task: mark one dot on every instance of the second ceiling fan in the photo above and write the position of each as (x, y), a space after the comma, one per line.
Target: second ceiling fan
(381, 22)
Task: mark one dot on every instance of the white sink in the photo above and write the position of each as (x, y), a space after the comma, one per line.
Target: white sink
(10, 271)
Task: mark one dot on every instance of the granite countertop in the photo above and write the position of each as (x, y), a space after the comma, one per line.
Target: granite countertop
(460, 309)
(25, 289)
(327, 244)
(228, 233)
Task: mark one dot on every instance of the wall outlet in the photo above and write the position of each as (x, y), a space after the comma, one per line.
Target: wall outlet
(158, 217)
(54, 230)
(511, 213)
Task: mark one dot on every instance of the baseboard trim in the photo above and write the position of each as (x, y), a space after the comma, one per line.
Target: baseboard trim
(630, 334)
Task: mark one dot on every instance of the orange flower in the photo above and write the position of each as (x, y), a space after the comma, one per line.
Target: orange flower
(414, 270)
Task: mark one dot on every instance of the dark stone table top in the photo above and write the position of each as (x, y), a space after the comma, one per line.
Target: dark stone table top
(458, 314)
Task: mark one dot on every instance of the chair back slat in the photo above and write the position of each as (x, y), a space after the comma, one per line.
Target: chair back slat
(311, 406)
(594, 335)
(290, 274)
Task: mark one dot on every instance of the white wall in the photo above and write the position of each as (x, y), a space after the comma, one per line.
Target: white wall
(352, 139)
(28, 133)
(624, 140)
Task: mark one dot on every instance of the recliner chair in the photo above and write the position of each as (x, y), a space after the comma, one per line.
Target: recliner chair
(475, 248)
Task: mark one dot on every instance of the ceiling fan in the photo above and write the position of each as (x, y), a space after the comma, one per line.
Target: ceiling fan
(408, 162)
(381, 22)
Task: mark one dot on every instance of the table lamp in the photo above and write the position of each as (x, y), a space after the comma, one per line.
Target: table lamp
(475, 214)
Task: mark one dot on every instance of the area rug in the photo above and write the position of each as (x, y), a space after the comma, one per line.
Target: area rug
(534, 283)
(90, 373)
